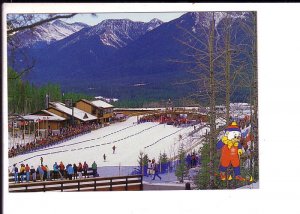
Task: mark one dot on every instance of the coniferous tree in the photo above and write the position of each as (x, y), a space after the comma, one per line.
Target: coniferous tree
(142, 161)
(24, 98)
(163, 158)
(203, 177)
(181, 169)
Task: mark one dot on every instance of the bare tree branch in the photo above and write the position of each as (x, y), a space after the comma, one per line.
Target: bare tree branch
(17, 29)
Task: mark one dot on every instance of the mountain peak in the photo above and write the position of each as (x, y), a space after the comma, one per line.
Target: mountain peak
(119, 33)
(58, 21)
(48, 33)
(155, 20)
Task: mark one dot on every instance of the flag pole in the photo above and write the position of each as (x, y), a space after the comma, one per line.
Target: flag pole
(24, 132)
(13, 133)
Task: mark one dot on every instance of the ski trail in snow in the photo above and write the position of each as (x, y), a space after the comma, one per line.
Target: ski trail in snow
(164, 138)
(129, 136)
(88, 147)
(184, 138)
(72, 144)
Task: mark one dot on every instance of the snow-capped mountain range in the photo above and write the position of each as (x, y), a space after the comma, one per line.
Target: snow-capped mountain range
(119, 32)
(116, 33)
(48, 33)
(112, 32)
(114, 55)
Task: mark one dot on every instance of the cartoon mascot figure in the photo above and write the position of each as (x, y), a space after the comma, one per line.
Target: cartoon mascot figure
(231, 149)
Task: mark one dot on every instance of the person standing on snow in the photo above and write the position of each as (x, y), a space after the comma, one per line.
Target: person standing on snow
(70, 171)
(27, 169)
(94, 167)
(55, 171)
(41, 172)
(149, 169)
(15, 172)
(62, 169)
(22, 172)
(155, 168)
(75, 171)
(45, 172)
(114, 149)
(33, 173)
(85, 168)
(48, 173)
(104, 157)
(79, 169)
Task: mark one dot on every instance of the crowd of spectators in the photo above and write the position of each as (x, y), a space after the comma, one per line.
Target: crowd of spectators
(192, 160)
(65, 133)
(176, 120)
(58, 171)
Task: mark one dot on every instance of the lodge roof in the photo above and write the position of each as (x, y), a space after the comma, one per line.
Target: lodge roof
(78, 114)
(46, 116)
(101, 104)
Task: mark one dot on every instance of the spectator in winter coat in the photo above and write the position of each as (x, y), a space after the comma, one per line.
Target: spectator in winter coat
(48, 173)
(85, 168)
(22, 172)
(55, 170)
(79, 169)
(33, 173)
(62, 169)
(94, 167)
(149, 168)
(41, 172)
(15, 172)
(45, 172)
(155, 168)
(75, 171)
(189, 160)
(27, 169)
(70, 171)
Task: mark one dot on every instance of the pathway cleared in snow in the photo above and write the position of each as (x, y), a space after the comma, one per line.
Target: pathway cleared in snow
(129, 138)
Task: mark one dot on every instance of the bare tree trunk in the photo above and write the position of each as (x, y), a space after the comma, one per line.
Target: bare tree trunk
(255, 96)
(212, 101)
(251, 131)
(227, 70)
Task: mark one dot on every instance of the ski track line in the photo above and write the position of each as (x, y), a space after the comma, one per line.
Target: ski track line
(164, 138)
(82, 141)
(129, 136)
(87, 147)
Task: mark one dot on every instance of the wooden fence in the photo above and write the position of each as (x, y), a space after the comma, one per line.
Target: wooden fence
(120, 183)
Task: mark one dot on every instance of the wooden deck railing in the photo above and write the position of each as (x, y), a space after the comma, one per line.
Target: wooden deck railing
(120, 183)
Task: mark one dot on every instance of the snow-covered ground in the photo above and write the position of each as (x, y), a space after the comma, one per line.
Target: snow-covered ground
(129, 138)
(251, 186)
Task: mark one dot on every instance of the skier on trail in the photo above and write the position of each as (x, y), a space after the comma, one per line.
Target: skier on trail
(114, 149)
(104, 157)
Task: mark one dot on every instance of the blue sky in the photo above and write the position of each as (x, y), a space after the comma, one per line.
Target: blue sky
(144, 17)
